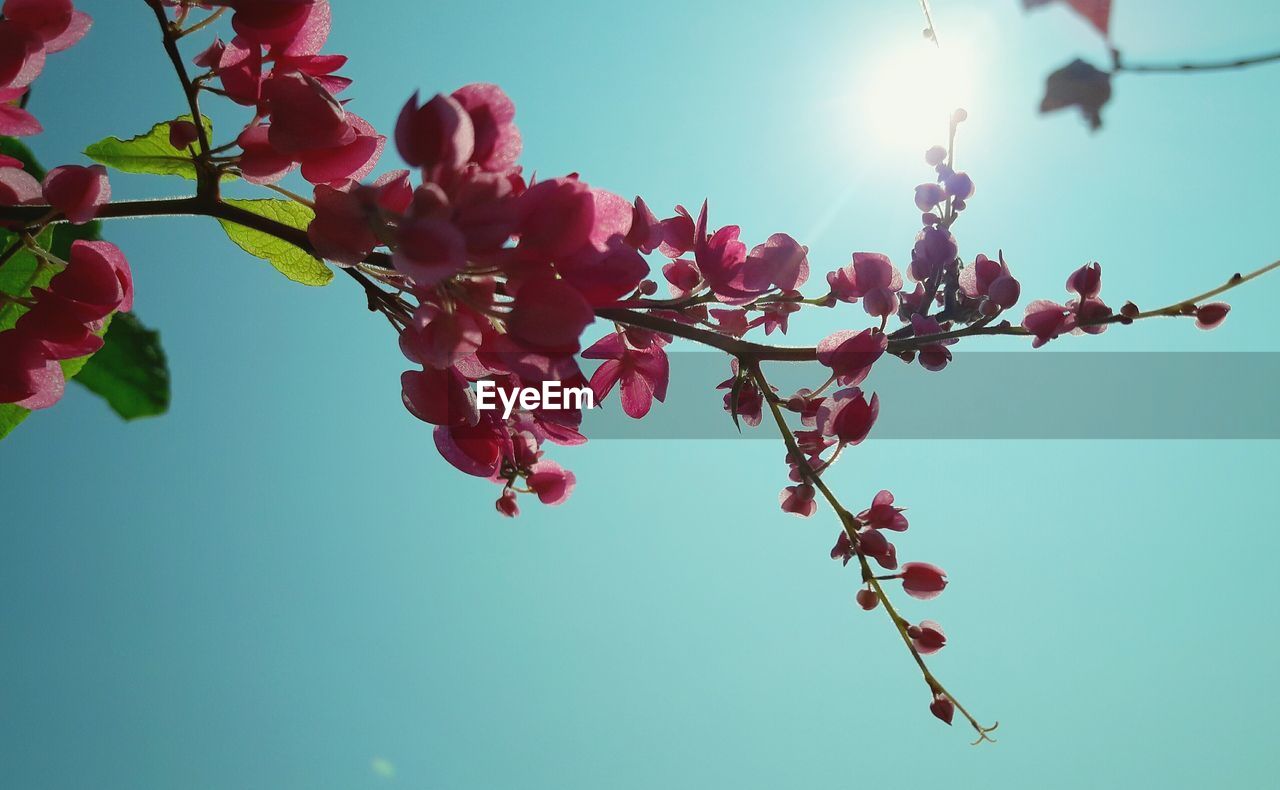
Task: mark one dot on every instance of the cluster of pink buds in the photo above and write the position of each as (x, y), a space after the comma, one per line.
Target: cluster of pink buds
(63, 322)
(30, 31)
(274, 65)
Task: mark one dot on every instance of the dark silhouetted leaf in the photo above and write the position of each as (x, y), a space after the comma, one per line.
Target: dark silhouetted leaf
(1097, 12)
(130, 370)
(1078, 84)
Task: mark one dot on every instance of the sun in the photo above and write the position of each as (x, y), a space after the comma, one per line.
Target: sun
(905, 95)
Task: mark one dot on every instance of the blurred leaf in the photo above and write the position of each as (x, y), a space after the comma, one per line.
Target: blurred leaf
(383, 767)
(290, 260)
(1097, 12)
(130, 370)
(1078, 84)
(148, 154)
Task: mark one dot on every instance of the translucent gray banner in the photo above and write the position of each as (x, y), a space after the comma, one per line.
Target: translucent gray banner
(994, 395)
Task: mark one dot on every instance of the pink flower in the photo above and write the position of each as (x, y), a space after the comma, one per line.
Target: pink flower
(551, 482)
(440, 397)
(798, 500)
(352, 160)
(929, 195)
(646, 232)
(429, 251)
(992, 280)
(77, 192)
(942, 707)
(781, 262)
(441, 339)
(260, 162)
(22, 55)
(277, 23)
(927, 637)
(683, 275)
(506, 504)
(743, 397)
(96, 282)
(871, 277)
(642, 372)
(959, 186)
(1046, 320)
(556, 218)
(677, 234)
(874, 544)
(934, 249)
(850, 354)
(1209, 316)
(61, 335)
(439, 136)
(843, 550)
(341, 231)
(28, 377)
(933, 356)
(549, 314)
(1086, 281)
(54, 22)
(304, 116)
(497, 140)
(18, 187)
(182, 134)
(239, 69)
(474, 449)
(867, 599)
(15, 121)
(604, 276)
(848, 415)
(922, 580)
(883, 515)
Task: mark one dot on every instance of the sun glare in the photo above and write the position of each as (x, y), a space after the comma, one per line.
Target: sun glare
(906, 95)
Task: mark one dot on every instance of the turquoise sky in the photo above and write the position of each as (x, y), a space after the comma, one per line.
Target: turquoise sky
(280, 582)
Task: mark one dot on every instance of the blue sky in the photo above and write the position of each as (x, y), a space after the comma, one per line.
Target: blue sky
(280, 581)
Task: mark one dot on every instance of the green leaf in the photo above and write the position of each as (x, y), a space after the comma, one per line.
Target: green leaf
(147, 154)
(12, 146)
(289, 259)
(130, 370)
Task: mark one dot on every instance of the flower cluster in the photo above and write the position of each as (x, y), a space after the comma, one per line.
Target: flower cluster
(490, 276)
(63, 322)
(274, 65)
(30, 31)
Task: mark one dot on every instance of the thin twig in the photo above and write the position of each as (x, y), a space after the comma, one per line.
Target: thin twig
(1119, 65)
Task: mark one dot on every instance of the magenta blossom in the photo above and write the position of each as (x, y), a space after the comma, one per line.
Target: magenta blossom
(848, 415)
(551, 482)
(927, 637)
(922, 580)
(942, 707)
(642, 372)
(798, 500)
(850, 354)
(990, 281)
(1211, 315)
(883, 515)
(497, 140)
(77, 192)
(870, 277)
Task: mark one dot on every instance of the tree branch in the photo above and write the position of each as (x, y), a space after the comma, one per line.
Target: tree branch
(1118, 64)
